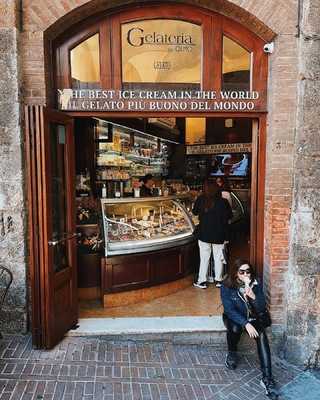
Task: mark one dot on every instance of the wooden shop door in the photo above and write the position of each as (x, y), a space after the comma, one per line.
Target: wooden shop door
(52, 231)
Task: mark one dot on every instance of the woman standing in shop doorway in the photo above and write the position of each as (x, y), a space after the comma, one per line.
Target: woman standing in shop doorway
(214, 214)
(245, 310)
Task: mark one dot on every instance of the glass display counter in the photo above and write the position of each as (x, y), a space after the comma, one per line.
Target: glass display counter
(136, 225)
(238, 210)
(149, 241)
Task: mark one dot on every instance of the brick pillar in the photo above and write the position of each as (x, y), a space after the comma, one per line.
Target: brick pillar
(303, 286)
(12, 204)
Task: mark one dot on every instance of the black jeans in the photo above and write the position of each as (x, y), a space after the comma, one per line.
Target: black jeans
(234, 332)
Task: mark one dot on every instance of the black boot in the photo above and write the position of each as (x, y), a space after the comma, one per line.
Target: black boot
(231, 360)
(270, 387)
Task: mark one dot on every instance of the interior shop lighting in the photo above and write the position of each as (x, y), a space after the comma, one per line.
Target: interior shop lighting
(135, 130)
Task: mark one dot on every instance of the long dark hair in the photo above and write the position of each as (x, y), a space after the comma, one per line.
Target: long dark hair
(232, 280)
(211, 193)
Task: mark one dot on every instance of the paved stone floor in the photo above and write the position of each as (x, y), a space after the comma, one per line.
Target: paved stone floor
(93, 369)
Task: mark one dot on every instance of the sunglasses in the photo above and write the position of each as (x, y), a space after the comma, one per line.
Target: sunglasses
(244, 271)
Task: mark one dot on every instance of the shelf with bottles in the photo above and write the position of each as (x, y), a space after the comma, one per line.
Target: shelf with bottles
(111, 174)
(114, 188)
(124, 175)
(112, 161)
(126, 148)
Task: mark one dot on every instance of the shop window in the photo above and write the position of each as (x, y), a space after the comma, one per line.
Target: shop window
(85, 64)
(161, 53)
(236, 67)
(195, 131)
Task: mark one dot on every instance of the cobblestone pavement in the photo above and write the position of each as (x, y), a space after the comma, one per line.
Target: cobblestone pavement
(94, 369)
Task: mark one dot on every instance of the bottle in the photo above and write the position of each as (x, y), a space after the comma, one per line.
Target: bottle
(121, 189)
(104, 191)
(117, 192)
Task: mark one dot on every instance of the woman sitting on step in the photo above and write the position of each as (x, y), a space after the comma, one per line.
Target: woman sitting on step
(245, 310)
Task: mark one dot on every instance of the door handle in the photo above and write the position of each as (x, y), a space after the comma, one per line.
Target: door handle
(64, 239)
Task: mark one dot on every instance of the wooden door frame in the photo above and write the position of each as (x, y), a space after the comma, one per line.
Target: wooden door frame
(35, 124)
(36, 176)
(54, 280)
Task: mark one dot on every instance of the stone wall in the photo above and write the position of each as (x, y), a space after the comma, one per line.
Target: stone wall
(303, 323)
(12, 206)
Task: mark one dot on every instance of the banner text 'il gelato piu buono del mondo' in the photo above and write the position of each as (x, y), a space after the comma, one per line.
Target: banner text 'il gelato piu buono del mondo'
(157, 100)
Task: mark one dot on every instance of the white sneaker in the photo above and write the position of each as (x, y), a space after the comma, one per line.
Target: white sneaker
(201, 285)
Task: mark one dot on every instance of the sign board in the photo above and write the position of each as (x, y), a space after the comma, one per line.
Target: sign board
(195, 101)
(161, 51)
(219, 148)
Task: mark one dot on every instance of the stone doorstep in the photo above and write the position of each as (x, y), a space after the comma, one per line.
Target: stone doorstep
(208, 330)
(178, 330)
(144, 325)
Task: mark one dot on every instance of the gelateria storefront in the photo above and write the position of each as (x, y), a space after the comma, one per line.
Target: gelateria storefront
(177, 93)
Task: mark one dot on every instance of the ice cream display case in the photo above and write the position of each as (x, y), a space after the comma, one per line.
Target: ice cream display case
(148, 242)
(136, 225)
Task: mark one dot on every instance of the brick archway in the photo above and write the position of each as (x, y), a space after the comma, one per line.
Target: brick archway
(231, 9)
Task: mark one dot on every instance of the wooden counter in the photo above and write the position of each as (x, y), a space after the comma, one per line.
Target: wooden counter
(131, 272)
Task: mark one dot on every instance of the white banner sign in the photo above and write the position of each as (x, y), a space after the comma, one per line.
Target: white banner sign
(219, 148)
(156, 100)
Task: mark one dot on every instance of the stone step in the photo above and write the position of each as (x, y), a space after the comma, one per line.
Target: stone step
(177, 330)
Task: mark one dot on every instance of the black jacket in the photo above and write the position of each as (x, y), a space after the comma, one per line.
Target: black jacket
(235, 306)
(214, 223)
(145, 192)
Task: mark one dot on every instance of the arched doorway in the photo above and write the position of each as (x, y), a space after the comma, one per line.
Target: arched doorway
(108, 56)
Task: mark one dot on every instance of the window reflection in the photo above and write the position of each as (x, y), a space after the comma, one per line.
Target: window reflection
(85, 64)
(236, 66)
(157, 52)
(58, 195)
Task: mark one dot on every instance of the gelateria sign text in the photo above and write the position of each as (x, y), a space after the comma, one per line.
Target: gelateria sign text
(157, 100)
(136, 37)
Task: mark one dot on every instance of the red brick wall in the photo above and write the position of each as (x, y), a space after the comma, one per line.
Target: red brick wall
(264, 18)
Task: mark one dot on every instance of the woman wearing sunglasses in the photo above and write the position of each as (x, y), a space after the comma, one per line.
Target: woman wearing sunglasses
(245, 310)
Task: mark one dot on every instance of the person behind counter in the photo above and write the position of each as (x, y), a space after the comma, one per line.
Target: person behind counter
(147, 185)
(214, 214)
